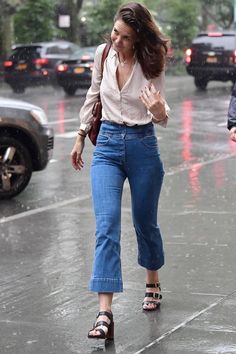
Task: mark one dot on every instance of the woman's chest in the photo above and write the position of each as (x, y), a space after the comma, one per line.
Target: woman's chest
(123, 80)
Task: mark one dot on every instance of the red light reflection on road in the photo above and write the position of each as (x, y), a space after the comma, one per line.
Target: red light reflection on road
(194, 178)
(186, 139)
(187, 130)
(232, 146)
(219, 173)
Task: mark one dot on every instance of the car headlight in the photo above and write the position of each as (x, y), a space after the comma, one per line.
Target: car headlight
(40, 116)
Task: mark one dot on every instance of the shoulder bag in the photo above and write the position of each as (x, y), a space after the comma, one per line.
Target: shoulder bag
(97, 108)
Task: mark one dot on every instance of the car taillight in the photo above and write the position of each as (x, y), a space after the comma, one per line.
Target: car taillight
(8, 63)
(40, 61)
(85, 58)
(188, 55)
(62, 67)
(234, 57)
(215, 34)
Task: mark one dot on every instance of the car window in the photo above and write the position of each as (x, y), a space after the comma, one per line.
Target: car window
(225, 42)
(25, 53)
(60, 50)
(53, 50)
(84, 52)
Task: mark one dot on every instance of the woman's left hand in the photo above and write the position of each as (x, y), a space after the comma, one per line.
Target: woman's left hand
(154, 102)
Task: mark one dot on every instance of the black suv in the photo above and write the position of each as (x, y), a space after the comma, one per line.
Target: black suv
(34, 64)
(26, 144)
(212, 56)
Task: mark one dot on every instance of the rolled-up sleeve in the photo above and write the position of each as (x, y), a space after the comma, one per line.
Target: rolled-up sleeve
(85, 115)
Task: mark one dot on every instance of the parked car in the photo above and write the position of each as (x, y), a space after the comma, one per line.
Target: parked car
(34, 64)
(26, 144)
(76, 72)
(212, 56)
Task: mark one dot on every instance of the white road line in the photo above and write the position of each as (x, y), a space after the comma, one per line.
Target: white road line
(204, 163)
(170, 89)
(207, 294)
(42, 209)
(71, 134)
(64, 121)
(181, 325)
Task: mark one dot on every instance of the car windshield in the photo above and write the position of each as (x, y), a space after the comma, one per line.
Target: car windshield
(84, 53)
(226, 42)
(25, 53)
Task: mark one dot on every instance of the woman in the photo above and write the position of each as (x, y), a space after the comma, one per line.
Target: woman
(131, 88)
(231, 123)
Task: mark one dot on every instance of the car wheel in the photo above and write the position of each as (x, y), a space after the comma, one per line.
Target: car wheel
(18, 89)
(70, 90)
(15, 167)
(201, 83)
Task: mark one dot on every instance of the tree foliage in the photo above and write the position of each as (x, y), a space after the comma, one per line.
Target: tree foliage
(34, 22)
(219, 12)
(179, 20)
(99, 20)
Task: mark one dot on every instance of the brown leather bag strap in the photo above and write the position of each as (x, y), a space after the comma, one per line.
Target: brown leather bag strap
(105, 54)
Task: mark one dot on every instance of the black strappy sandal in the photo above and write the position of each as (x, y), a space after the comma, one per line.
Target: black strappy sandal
(155, 295)
(110, 326)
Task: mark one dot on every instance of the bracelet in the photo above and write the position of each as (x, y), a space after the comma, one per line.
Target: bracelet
(82, 134)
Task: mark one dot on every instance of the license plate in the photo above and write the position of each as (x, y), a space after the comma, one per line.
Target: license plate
(211, 60)
(21, 66)
(79, 70)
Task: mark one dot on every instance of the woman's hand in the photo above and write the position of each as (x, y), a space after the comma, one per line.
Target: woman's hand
(232, 133)
(154, 102)
(76, 153)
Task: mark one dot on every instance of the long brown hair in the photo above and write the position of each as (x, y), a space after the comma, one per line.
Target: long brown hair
(151, 46)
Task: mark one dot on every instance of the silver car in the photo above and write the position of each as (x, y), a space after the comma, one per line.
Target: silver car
(26, 144)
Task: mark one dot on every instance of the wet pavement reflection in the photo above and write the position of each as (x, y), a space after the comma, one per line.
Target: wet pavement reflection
(47, 240)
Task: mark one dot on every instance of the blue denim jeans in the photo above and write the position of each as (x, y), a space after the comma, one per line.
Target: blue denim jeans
(125, 152)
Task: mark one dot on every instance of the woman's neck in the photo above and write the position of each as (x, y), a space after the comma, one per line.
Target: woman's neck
(125, 59)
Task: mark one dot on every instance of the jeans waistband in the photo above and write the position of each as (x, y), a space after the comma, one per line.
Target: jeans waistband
(128, 128)
(126, 125)
(116, 128)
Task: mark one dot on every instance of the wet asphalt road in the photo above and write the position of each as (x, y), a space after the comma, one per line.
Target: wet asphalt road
(47, 240)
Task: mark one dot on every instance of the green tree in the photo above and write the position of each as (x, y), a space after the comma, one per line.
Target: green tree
(99, 20)
(219, 12)
(8, 9)
(34, 22)
(179, 19)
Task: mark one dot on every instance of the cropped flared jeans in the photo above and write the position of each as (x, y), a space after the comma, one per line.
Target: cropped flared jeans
(125, 152)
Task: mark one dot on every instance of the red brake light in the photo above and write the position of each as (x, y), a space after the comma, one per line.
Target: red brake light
(188, 54)
(85, 57)
(234, 57)
(215, 34)
(7, 63)
(41, 61)
(62, 67)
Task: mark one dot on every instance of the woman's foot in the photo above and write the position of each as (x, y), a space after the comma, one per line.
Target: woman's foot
(103, 327)
(153, 297)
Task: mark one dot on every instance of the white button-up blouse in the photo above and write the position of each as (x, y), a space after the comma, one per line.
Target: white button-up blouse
(119, 106)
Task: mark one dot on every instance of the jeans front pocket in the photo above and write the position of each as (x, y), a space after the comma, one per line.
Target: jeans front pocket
(102, 140)
(150, 141)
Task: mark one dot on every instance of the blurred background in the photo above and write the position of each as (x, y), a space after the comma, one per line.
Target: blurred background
(85, 22)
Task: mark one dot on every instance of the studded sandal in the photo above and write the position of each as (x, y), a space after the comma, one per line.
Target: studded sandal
(155, 295)
(102, 334)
